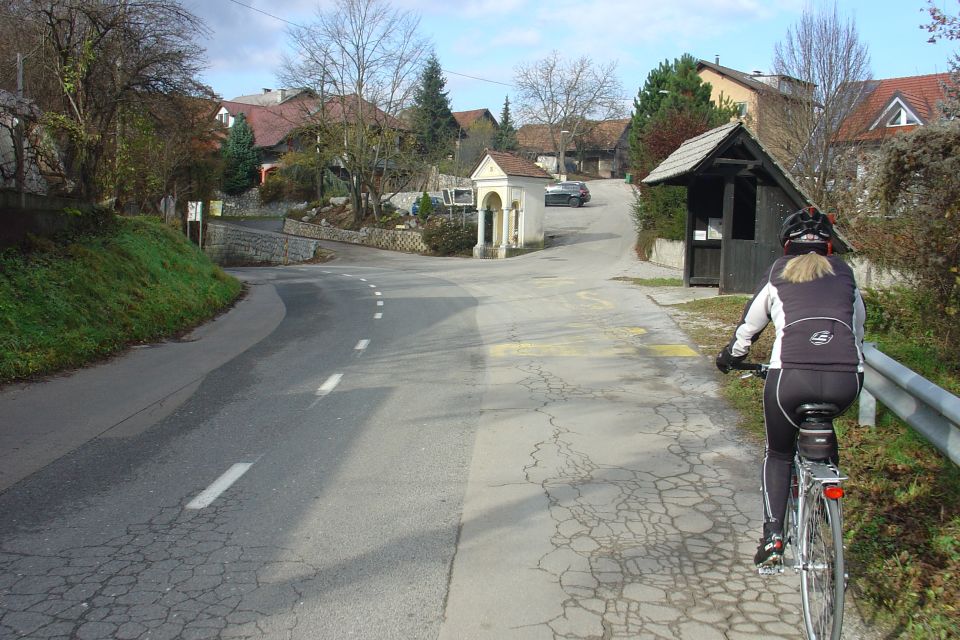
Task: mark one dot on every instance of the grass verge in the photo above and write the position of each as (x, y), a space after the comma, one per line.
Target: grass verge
(653, 282)
(902, 510)
(66, 303)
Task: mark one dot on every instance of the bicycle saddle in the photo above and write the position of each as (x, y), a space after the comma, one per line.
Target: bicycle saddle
(819, 410)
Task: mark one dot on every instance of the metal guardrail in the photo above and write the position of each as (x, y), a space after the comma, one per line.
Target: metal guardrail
(929, 409)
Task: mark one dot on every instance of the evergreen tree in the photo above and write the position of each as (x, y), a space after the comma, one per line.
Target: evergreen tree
(506, 138)
(672, 94)
(672, 106)
(433, 122)
(240, 156)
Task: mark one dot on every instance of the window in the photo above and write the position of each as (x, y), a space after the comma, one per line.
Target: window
(741, 109)
(901, 118)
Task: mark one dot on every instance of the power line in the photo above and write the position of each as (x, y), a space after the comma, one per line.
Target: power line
(270, 15)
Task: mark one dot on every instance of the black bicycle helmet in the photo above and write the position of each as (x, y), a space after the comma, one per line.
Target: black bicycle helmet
(806, 226)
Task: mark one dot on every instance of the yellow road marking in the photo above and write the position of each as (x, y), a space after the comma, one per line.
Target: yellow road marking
(671, 350)
(595, 301)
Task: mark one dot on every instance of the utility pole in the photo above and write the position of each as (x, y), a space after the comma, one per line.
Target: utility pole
(18, 143)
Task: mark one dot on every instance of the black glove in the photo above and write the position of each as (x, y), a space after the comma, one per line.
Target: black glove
(726, 360)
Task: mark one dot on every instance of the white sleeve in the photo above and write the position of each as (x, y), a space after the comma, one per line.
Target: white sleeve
(756, 316)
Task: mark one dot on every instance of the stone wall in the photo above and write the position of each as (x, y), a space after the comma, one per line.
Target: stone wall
(228, 244)
(394, 240)
(248, 204)
(670, 253)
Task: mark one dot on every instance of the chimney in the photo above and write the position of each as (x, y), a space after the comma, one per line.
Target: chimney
(716, 58)
(266, 90)
(757, 72)
(281, 95)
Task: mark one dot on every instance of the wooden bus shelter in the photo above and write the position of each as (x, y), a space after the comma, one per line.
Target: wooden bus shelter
(737, 199)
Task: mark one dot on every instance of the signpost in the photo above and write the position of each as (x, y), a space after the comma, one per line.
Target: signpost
(459, 197)
(195, 214)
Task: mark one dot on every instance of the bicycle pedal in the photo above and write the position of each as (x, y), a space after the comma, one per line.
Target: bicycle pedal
(770, 570)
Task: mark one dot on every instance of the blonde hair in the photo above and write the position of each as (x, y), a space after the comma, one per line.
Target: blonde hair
(807, 268)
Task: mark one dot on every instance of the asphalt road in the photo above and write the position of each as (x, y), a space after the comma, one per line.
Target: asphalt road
(393, 446)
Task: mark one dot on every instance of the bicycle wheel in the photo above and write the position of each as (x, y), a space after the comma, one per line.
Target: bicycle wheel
(791, 544)
(822, 579)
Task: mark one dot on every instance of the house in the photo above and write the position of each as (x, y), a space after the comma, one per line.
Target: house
(604, 151)
(467, 119)
(272, 116)
(753, 94)
(601, 150)
(537, 143)
(893, 106)
(275, 117)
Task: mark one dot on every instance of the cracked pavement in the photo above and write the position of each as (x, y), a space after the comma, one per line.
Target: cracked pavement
(575, 476)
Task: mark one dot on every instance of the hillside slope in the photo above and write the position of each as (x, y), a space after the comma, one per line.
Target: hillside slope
(68, 302)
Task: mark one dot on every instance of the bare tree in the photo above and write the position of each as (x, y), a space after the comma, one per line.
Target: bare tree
(363, 59)
(567, 97)
(90, 62)
(824, 53)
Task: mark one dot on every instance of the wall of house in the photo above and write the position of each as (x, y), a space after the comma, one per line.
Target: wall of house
(391, 239)
(735, 91)
(228, 244)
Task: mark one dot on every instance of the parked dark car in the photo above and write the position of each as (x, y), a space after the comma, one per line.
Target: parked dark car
(571, 194)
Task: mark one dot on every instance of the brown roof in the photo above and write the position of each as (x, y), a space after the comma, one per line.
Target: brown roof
(920, 94)
(514, 165)
(753, 81)
(607, 134)
(272, 124)
(536, 137)
(467, 118)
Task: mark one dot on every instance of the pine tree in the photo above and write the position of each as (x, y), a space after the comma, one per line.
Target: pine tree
(240, 156)
(673, 94)
(433, 122)
(506, 138)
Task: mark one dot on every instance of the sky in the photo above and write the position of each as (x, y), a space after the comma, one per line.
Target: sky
(479, 43)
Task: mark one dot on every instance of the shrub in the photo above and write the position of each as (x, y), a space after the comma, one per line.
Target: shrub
(425, 208)
(447, 238)
(918, 188)
(272, 189)
(662, 211)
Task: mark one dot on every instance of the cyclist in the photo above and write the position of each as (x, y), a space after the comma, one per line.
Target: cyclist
(812, 299)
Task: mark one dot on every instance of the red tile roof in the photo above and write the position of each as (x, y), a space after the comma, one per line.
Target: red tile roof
(514, 165)
(920, 94)
(273, 123)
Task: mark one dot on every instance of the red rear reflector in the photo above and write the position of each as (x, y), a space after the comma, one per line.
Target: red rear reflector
(834, 492)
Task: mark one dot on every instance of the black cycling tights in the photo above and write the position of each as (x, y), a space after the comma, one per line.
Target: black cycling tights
(784, 391)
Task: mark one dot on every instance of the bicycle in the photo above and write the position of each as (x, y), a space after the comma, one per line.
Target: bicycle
(813, 527)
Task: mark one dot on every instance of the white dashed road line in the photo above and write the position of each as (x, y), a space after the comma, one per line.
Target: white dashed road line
(377, 316)
(363, 344)
(221, 484)
(379, 303)
(330, 384)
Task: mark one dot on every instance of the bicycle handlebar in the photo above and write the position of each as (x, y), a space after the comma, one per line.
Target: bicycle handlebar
(756, 368)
